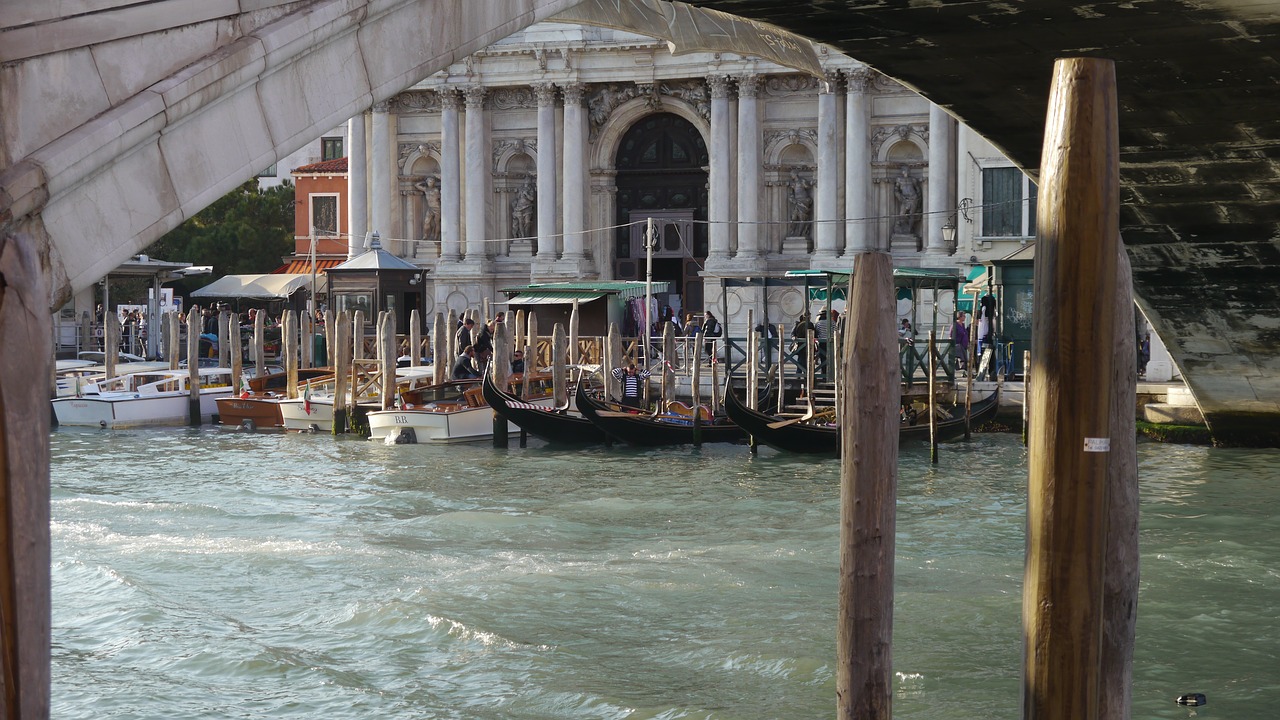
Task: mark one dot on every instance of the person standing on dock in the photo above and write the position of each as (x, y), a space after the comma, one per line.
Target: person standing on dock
(632, 390)
(960, 338)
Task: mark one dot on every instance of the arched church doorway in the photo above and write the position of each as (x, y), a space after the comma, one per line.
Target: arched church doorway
(661, 165)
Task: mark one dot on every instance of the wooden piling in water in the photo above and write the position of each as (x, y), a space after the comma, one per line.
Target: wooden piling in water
(868, 494)
(1071, 398)
(559, 348)
(933, 398)
(306, 340)
(175, 339)
(193, 369)
(501, 364)
(613, 359)
(341, 351)
(530, 353)
(289, 340)
(110, 342)
(415, 339)
(25, 329)
(573, 356)
(1120, 584)
(782, 367)
(236, 352)
(224, 338)
(668, 372)
(260, 343)
(441, 361)
(389, 353)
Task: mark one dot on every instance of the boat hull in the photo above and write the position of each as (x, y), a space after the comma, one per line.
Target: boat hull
(260, 412)
(644, 431)
(125, 410)
(555, 426)
(429, 426)
(825, 440)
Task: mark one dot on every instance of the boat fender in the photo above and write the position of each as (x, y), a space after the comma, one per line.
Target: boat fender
(313, 428)
(1192, 699)
(406, 436)
(248, 425)
(102, 424)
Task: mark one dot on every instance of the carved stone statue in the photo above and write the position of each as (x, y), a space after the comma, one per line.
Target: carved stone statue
(906, 193)
(800, 205)
(522, 208)
(430, 209)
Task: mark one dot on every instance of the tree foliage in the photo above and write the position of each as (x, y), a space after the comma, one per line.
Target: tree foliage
(246, 231)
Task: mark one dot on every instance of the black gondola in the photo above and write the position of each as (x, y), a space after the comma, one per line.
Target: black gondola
(551, 424)
(653, 431)
(800, 437)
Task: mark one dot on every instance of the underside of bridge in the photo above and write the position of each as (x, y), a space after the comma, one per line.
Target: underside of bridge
(1199, 85)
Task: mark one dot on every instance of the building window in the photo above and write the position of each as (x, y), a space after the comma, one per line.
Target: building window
(330, 148)
(1008, 203)
(324, 214)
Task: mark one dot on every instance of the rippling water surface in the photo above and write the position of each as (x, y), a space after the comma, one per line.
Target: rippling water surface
(212, 574)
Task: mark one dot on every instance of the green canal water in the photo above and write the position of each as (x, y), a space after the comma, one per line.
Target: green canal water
(213, 574)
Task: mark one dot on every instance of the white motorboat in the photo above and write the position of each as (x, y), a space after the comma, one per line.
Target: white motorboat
(74, 376)
(312, 410)
(448, 413)
(140, 399)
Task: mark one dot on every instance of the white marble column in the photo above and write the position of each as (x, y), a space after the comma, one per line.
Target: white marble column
(547, 169)
(575, 170)
(826, 231)
(721, 146)
(357, 186)
(939, 200)
(383, 179)
(857, 163)
(750, 160)
(477, 181)
(450, 200)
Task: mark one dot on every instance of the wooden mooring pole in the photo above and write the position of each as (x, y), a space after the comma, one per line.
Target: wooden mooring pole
(193, 368)
(1071, 398)
(499, 368)
(24, 479)
(933, 397)
(868, 494)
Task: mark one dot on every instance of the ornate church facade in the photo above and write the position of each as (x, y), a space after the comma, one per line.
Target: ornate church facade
(575, 153)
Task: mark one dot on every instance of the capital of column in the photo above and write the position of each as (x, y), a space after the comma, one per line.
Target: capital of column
(748, 85)
(449, 99)
(546, 94)
(859, 80)
(830, 82)
(719, 85)
(382, 106)
(475, 96)
(573, 93)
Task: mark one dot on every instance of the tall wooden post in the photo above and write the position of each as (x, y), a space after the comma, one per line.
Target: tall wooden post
(501, 366)
(387, 349)
(193, 368)
(695, 392)
(519, 331)
(175, 340)
(573, 334)
(452, 323)
(559, 346)
(259, 343)
(341, 352)
(668, 372)
(236, 351)
(224, 337)
(933, 397)
(868, 494)
(613, 359)
(110, 342)
(289, 340)
(24, 481)
(530, 353)
(753, 364)
(415, 339)
(1075, 272)
(306, 340)
(441, 361)
(357, 337)
(1120, 585)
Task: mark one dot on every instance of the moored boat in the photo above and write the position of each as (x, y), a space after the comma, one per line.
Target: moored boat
(555, 425)
(140, 399)
(450, 412)
(258, 406)
(798, 435)
(630, 426)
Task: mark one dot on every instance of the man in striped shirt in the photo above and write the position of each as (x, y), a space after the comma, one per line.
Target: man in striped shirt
(632, 389)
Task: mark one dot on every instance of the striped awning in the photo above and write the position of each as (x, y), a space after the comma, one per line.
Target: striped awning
(303, 266)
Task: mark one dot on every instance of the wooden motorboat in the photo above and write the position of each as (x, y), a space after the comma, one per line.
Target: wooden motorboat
(155, 397)
(823, 438)
(258, 406)
(450, 412)
(666, 428)
(312, 410)
(560, 426)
